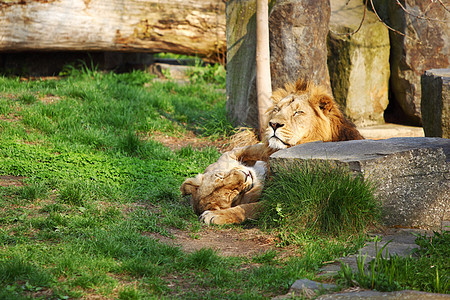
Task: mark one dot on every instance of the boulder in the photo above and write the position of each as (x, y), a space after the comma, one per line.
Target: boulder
(435, 105)
(298, 30)
(358, 63)
(298, 36)
(241, 62)
(425, 47)
(411, 174)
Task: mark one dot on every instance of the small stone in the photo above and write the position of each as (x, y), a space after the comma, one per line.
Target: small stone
(302, 284)
(307, 288)
(374, 295)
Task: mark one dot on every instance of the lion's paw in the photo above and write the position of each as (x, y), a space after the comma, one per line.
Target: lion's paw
(207, 217)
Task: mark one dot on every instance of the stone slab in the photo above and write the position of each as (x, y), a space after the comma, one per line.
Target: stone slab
(374, 295)
(301, 284)
(400, 242)
(389, 130)
(411, 174)
(435, 102)
(305, 287)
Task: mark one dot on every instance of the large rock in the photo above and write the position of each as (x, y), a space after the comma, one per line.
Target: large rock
(298, 30)
(435, 104)
(425, 47)
(298, 36)
(412, 174)
(359, 62)
(241, 62)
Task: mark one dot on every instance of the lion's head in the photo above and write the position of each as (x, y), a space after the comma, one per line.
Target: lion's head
(223, 185)
(303, 112)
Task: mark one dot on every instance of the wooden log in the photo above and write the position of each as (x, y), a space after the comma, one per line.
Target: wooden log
(176, 26)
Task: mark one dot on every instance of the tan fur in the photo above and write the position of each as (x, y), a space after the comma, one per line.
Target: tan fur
(301, 113)
(227, 191)
(244, 136)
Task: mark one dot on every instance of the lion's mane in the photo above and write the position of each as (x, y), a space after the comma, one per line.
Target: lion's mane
(326, 121)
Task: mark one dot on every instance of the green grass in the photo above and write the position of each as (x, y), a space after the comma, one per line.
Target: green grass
(305, 200)
(428, 270)
(92, 186)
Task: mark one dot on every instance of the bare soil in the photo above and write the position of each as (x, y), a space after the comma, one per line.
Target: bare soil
(6, 181)
(227, 242)
(188, 139)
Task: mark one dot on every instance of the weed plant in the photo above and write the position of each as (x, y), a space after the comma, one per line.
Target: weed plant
(427, 270)
(317, 199)
(211, 73)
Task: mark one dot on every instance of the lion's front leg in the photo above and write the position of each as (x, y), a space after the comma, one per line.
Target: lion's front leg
(233, 215)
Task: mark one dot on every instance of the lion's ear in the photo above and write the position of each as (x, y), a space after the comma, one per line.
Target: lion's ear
(325, 103)
(190, 185)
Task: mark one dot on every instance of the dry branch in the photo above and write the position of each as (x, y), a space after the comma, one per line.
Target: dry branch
(263, 79)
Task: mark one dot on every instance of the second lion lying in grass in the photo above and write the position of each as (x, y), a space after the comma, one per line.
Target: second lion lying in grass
(228, 191)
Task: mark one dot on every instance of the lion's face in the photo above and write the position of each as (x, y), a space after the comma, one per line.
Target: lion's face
(220, 189)
(298, 118)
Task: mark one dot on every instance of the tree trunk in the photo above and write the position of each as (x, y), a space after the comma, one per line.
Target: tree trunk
(177, 26)
(263, 81)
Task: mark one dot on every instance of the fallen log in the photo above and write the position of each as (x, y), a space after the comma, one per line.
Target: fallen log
(153, 26)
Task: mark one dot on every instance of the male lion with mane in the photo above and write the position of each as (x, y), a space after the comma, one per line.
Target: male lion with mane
(229, 189)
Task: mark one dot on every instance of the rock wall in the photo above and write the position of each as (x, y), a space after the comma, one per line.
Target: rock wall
(435, 105)
(298, 30)
(241, 62)
(358, 61)
(365, 69)
(424, 45)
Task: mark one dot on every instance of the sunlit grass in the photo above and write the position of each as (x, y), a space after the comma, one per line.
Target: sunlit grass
(317, 199)
(93, 188)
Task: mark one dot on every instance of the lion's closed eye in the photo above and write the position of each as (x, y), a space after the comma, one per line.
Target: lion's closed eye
(299, 113)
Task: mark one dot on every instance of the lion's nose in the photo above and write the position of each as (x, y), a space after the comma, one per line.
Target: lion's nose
(275, 126)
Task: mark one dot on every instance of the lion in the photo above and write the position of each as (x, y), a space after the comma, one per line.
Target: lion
(229, 190)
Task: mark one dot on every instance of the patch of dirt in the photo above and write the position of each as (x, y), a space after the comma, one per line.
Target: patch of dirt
(49, 99)
(10, 118)
(243, 137)
(40, 78)
(188, 139)
(6, 181)
(227, 242)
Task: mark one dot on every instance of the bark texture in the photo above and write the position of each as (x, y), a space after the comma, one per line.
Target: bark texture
(177, 26)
